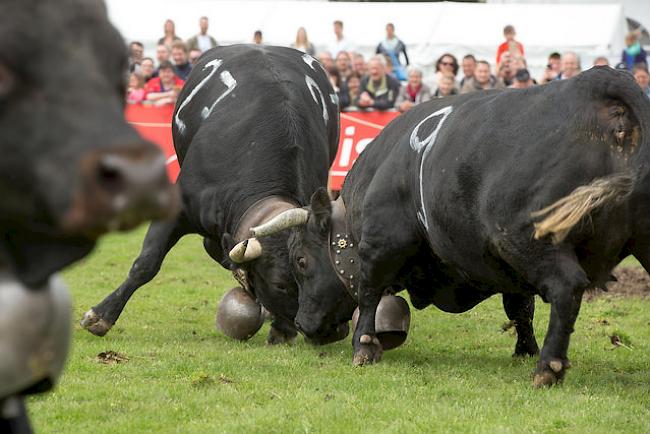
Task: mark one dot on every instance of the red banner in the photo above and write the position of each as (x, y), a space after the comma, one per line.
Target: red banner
(357, 130)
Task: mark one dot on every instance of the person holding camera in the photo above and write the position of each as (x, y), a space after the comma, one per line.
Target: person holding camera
(552, 68)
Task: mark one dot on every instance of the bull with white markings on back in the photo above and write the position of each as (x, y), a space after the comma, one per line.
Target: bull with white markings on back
(255, 130)
(521, 192)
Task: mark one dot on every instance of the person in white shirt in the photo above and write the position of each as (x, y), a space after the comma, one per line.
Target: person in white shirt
(202, 41)
(340, 43)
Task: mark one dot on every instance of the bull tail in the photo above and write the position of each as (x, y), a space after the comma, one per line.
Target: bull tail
(560, 217)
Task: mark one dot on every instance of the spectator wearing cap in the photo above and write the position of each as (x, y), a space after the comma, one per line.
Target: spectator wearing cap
(182, 65)
(510, 44)
(468, 65)
(165, 88)
(379, 89)
(522, 79)
(633, 53)
(202, 41)
(642, 77)
(482, 79)
(413, 92)
(570, 65)
(393, 47)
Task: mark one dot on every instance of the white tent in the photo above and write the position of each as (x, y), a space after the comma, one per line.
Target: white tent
(428, 29)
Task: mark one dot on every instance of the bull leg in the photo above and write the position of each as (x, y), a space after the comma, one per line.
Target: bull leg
(160, 238)
(521, 309)
(379, 268)
(282, 332)
(564, 292)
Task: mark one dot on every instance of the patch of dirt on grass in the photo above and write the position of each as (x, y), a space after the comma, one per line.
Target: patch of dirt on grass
(111, 357)
(632, 281)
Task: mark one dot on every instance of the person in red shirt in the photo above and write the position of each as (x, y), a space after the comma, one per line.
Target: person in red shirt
(165, 88)
(515, 47)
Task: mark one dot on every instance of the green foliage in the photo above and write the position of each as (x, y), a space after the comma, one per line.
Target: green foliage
(454, 373)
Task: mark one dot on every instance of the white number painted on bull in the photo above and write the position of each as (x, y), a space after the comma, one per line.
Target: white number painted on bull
(226, 79)
(426, 145)
(309, 61)
(311, 85)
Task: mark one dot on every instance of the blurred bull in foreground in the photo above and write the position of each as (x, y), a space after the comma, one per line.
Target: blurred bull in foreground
(71, 170)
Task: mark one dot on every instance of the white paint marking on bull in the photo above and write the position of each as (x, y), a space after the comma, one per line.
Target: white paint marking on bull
(311, 85)
(230, 83)
(309, 60)
(426, 145)
(214, 64)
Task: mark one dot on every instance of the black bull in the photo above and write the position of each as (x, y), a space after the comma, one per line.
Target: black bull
(255, 130)
(71, 170)
(521, 192)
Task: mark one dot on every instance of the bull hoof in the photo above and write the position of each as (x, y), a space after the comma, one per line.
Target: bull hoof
(95, 324)
(276, 337)
(549, 373)
(369, 351)
(526, 351)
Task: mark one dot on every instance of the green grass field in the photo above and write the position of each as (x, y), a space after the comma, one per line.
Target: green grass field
(454, 373)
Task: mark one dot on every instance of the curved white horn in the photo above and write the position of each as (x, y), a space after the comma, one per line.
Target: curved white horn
(245, 251)
(285, 220)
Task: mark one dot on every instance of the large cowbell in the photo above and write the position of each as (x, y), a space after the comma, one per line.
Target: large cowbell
(34, 335)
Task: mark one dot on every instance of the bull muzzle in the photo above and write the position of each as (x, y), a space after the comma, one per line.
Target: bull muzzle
(119, 189)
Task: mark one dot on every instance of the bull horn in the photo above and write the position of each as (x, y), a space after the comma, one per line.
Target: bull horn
(285, 220)
(245, 251)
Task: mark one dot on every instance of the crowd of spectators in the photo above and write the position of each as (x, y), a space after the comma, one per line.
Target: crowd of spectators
(385, 81)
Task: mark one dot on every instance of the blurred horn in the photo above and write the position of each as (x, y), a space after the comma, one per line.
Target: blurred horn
(246, 251)
(287, 219)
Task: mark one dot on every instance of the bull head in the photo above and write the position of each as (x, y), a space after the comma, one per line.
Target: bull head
(251, 248)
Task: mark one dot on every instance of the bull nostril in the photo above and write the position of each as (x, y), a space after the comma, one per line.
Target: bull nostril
(109, 175)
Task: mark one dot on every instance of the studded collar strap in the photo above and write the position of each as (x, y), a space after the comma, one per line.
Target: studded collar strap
(343, 250)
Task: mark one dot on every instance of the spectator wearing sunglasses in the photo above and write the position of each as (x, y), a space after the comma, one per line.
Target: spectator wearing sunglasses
(445, 65)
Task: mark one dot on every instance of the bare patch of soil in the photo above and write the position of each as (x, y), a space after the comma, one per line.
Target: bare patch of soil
(111, 357)
(632, 281)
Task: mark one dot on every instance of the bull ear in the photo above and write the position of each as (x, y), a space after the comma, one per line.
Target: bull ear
(321, 210)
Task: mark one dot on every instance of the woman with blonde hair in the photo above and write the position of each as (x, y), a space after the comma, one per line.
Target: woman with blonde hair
(170, 35)
(302, 42)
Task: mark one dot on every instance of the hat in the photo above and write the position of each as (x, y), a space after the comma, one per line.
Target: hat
(621, 65)
(522, 75)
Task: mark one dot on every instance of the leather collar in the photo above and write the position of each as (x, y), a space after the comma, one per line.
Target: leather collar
(343, 250)
(260, 212)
